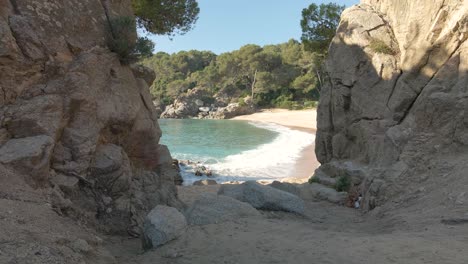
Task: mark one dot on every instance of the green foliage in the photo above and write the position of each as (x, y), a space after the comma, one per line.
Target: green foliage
(284, 74)
(379, 46)
(343, 184)
(144, 47)
(313, 180)
(166, 16)
(310, 104)
(319, 24)
(241, 102)
(121, 40)
(284, 101)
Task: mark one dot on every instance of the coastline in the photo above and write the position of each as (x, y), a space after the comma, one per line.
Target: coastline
(302, 120)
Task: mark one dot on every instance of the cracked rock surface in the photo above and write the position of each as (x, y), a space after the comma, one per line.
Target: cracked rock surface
(395, 101)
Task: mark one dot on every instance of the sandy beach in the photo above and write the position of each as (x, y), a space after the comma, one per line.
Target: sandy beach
(303, 120)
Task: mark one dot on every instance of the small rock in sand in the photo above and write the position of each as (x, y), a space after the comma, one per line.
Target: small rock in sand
(162, 225)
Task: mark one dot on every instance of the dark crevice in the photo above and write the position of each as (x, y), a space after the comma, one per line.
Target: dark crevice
(4, 94)
(144, 103)
(15, 7)
(375, 28)
(13, 35)
(106, 13)
(393, 88)
(365, 118)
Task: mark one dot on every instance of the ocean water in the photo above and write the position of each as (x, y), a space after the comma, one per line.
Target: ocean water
(234, 150)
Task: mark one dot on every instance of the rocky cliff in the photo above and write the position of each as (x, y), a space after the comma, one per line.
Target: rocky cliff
(74, 120)
(393, 116)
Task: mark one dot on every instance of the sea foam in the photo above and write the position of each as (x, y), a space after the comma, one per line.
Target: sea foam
(268, 162)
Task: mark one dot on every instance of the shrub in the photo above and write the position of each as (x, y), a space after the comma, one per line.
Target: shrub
(314, 180)
(310, 104)
(379, 46)
(343, 184)
(208, 99)
(241, 102)
(121, 40)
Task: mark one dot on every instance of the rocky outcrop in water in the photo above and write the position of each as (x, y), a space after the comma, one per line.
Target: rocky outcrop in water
(396, 100)
(74, 118)
(197, 103)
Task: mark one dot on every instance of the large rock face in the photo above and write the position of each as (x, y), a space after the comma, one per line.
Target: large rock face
(70, 111)
(396, 97)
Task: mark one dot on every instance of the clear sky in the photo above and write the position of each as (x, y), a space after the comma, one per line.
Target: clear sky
(226, 25)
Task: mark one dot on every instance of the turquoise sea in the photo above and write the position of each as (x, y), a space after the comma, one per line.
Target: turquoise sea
(234, 150)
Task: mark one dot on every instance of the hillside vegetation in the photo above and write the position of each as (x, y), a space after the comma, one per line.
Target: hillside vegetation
(283, 75)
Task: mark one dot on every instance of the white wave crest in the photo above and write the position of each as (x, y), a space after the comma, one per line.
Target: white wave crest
(270, 161)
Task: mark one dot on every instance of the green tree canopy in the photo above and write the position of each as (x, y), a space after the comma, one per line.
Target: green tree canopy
(163, 17)
(319, 24)
(283, 73)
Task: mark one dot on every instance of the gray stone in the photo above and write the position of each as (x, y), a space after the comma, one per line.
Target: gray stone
(67, 184)
(199, 103)
(111, 169)
(264, 197)
(286, 186)
(321, 192)
(144, 73)
(212, 209)
(80, 246)
(204, 109)
(29, 155)
(162, 225)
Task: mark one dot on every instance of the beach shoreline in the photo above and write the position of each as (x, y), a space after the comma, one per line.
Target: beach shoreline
(302, 120)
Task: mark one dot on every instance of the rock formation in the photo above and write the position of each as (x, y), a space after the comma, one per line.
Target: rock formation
(73, 118)
(195, 104)
(396, 100)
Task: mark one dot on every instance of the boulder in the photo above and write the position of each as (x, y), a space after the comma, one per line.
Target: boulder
(142, 72)
(286, 186)
(30, 155)
(111, 169)
(186, 105)
(264, 197)
(162, 225)
(318, 191)
(199, 103)
(232, 110)
(212, 209)
(204, 109)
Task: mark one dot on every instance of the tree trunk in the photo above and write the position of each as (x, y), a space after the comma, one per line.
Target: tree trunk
(253, 84)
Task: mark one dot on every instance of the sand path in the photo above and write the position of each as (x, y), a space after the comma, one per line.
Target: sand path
(326, 234)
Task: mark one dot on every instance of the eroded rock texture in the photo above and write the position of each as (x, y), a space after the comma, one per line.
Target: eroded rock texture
(72, 116)
(396, 99)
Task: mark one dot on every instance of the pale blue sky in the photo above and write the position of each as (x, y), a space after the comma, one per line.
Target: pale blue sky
(226, 25)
